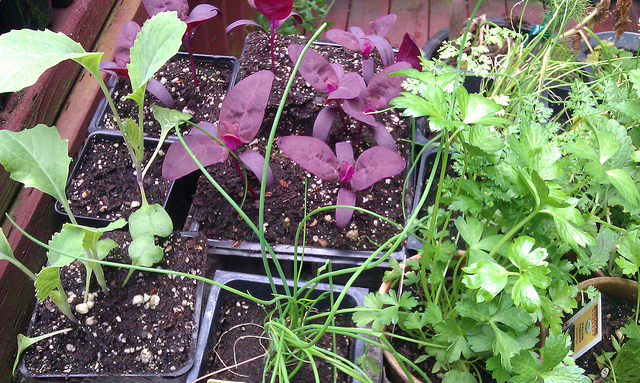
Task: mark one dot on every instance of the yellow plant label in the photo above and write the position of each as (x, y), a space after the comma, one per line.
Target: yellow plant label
(585, 327)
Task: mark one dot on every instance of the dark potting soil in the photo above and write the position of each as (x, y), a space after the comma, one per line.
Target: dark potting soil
(123, 332)
(288, 198)
(241, 337)
(106, 186)
(202, 102)
(615, 314)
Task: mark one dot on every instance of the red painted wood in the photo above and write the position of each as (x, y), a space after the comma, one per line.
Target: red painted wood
(363, 12)
(491, 8)
(413, 18)
(338, 15)
(533, 12)
(439, 11)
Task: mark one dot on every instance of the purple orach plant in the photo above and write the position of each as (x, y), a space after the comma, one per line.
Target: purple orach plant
(358, 41)
(240, 119)
(348, 93)
(316, 157)
(198, 15)
(122, 48)
(277, 12)
(410, 52)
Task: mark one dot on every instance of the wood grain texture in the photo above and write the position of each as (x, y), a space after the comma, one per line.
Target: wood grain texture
(413, 17)
(33, 210)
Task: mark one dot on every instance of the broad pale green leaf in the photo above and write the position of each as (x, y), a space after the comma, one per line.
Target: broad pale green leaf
(478, 108)
(607, 144)
(134, 138)
(38, 158)
(625, 185)
(564, 219)
(92, 234)
(450, 332)
(67, 241)
(525, 295)
(144, 252)
(634, 76)
(629, 260)
(505, 345)
(25, 342)
(5, 248)
(455, 376)
(28, 53)
(150, 219)
(158, 41)
(555, 349)
(104, 246)
(47, 282)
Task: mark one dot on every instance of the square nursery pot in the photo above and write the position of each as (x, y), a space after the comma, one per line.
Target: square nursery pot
(216, 74)
(158, 347)
(297, 118)
(258, 286)
(103, 176)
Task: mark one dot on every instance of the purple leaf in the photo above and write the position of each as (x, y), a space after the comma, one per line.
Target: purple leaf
(243, 108)
(199, 15)
(156, 6)
(346, 197)
(323, 122)
(314, 68)
(339, 69)
(383, 88)
(208, 127)
(124, 42)
(346, 39)
(358, 32)
(384, 48)
(382, 25)
(114, 69)
(295, 16)
(348, 88)
(156, 88)
(274, 9)
(382, 136)
(254, 161)
(367, 69)
(375, 164)
(238, 23)
(313, 155)
(410, 52)
(355, 109)
(178, 163)
(344, 152)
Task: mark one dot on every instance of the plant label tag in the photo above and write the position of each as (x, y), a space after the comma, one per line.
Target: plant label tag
(585, 327)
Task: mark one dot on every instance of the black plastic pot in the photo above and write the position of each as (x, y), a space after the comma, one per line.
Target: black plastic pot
(176, 202)
(229, 62)
(177, 376)
(259, 287)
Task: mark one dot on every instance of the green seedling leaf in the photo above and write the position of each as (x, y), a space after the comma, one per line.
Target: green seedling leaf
(168, 119)
(158, 41)
(134, 138)
(564, 219)
(26, 342)
(92, 234)
(607, 144)
(481, 110)
(6, 253)
(629, 260)
(37, 158)
(489, 278)
(48, 284)
(150, 219)
(471, 231)
(29, 53)
(144, 251)
(625, 185)
(455, 376)
(451, 332)
(67, 241)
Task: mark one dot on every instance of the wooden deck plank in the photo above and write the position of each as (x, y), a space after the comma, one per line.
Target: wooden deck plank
(439, 11)
(491, 8)
(533, 13)
(413, 17)
(363, 12)
(339, 15)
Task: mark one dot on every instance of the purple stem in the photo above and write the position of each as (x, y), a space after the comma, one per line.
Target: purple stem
(272, 41)
(192, 61)
(253, 193)
(341, 114)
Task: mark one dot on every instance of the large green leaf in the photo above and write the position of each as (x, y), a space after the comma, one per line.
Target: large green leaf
(26, 54)
(625, 185)
(67, 241)
(150, 219)
(158, 41)
(38, 158)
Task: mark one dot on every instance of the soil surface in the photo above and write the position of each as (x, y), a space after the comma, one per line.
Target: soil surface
(105, 185)
(124, 332)
(202, 102)
(241, 337)
(286, 199)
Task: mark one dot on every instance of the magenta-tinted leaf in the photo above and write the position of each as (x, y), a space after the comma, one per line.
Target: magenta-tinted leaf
(313, 155)
(276, 9)
(295, 16)
(323, 122)
(232, 142)
(254, 161)
(375, 164)
(382, 25)
(207, 127)
(113, 69)
(346, 172)
(358, 32)
(346, 197)
(348, 88)
(178, 163)
(410, 52)
(339, 69)
(384, 48)
(238, 23)
(367, 69)
(355, 109)
(156, 88)
(314, 68)
(243, 108)
(346, 39)
(383, 88)
(344, 152)
(199, 15)
(124, 42)
(382, 136)
(156, 6)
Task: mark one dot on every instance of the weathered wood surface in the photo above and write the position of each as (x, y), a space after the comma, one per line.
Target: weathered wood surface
(95, 23)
